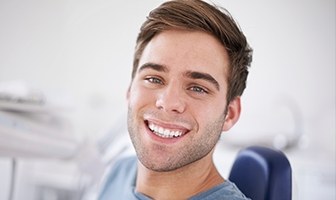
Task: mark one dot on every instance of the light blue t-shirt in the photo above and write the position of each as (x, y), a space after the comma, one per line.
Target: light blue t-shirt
(120, 184)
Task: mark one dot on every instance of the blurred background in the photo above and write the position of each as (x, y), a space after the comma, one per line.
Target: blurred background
(65, 67)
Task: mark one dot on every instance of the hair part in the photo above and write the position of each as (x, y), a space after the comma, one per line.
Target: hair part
(197, 15)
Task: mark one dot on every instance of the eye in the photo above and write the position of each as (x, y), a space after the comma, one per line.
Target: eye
(154, 80)
(198, 89)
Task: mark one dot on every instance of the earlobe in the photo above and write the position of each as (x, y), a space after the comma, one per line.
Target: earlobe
(233, 113)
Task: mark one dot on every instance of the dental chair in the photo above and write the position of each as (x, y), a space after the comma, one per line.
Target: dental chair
(262, 173)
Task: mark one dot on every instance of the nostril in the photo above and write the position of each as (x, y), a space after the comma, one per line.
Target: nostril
(159, 105)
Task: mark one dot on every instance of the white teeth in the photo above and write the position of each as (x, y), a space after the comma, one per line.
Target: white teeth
(162, 132)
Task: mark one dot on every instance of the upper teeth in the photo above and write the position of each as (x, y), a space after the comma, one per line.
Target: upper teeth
(162, 132)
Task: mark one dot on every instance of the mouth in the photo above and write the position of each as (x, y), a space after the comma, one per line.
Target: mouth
(165, 132)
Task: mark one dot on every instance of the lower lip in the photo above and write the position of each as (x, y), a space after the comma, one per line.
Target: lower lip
(157, 138)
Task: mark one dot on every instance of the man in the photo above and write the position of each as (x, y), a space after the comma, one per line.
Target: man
(189, 71)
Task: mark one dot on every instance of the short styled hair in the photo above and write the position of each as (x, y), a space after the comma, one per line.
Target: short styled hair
(197, 15)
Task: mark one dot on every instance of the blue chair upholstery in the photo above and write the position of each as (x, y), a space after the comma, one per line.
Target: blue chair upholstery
(262, 173)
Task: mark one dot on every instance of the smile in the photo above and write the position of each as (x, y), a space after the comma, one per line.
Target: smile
(164, 132)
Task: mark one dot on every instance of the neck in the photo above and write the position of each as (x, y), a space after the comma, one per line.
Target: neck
(183, 183)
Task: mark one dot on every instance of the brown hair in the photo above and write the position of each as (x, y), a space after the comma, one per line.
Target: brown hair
(196, 15)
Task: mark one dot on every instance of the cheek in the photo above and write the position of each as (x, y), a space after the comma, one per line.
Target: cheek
(138, 97)
(133, 98)
(212, 105)
(209, 112)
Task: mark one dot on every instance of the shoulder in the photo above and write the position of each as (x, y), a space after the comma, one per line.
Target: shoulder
(122, 168)
(125, 163)
(224, 191)
(120, 179)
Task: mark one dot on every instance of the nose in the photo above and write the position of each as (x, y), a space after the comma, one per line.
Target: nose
(170, 99)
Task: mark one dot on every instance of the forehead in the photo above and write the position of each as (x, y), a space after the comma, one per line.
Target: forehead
(187, 50)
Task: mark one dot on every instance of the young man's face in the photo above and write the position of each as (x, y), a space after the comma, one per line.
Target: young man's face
(177, 99)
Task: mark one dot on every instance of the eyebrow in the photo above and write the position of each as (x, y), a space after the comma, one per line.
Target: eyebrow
(157, 67)
(189, 74)
(203, 76)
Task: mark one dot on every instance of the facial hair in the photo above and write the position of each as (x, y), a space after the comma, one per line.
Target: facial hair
(199, 145)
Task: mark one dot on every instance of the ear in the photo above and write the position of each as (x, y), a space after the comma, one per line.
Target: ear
(233, 113)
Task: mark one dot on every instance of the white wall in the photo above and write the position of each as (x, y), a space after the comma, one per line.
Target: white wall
(84, 49)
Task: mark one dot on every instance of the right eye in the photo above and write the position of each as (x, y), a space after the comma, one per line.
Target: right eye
(154, 80)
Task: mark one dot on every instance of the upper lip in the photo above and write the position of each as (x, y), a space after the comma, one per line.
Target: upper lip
(169, 125)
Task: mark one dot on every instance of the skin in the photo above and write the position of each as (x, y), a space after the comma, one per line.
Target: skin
(180, 86)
